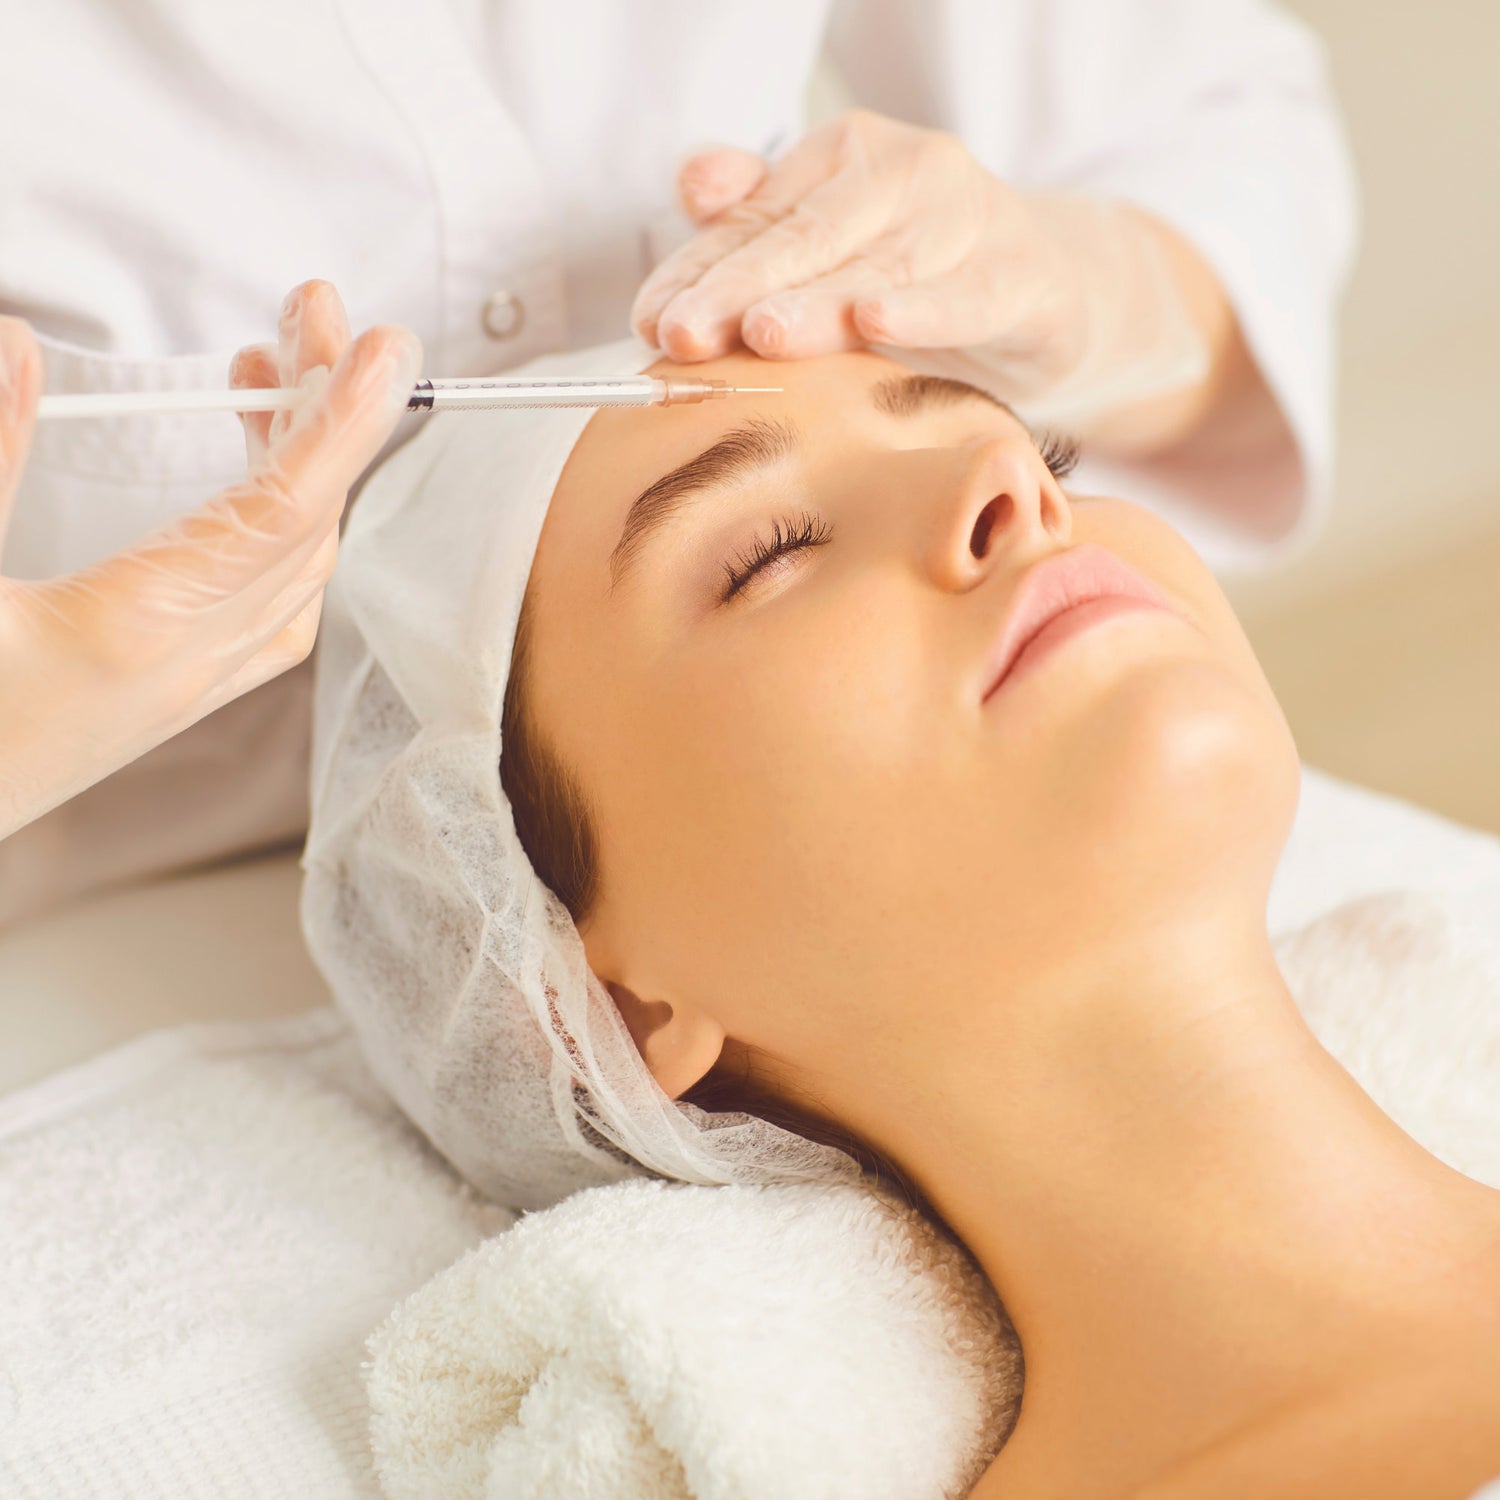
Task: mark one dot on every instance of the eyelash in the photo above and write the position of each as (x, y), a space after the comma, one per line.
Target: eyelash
(1058, 452)
(809, 531)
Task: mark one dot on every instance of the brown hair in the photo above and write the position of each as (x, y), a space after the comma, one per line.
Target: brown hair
(557, 830)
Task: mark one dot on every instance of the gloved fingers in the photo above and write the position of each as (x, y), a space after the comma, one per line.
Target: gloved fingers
(131, 650)
(257, 536)
(713, 177)
(182, 661)
(819, 318)
(292, 599)
(1014, 345)
(291, 640)
(862, 185)
(187, 583)
(969, 305)
(20, 390)
(292, 644)
(113, 698)
(312, 332)
(811, 161)
(833, 222)
(254, 368)
(312, 329)
(333, 437)
(213, 576)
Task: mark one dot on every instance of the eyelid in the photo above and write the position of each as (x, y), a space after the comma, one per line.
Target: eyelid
(808, 532)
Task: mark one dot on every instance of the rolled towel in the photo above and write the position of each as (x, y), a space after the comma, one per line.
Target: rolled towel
(652, 1340)
(649, 1340)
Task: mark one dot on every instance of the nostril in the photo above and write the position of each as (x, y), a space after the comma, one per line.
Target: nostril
(979, 538)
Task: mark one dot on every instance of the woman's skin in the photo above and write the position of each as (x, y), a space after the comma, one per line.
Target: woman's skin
(1020, 946)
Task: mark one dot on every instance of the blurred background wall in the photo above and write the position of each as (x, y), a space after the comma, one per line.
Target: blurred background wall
(1419, 429)
(1383, 641)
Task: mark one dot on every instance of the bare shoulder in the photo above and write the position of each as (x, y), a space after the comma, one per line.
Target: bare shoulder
(1425, 1430)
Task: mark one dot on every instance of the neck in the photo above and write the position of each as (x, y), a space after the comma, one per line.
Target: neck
(1190, 1210)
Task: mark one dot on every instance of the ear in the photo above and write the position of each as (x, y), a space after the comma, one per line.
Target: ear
(679, 1044)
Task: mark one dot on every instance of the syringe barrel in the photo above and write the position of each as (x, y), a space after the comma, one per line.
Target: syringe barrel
(496, 391)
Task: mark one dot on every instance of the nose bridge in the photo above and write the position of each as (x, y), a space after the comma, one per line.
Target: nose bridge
(1001, 504)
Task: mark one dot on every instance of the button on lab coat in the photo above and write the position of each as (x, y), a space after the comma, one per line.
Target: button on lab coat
(499, 176)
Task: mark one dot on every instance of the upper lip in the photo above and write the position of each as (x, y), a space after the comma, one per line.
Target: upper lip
(1058, 583)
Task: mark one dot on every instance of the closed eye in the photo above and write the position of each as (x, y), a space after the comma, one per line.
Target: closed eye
(1058, 452)
(761, 443)
(807, 531)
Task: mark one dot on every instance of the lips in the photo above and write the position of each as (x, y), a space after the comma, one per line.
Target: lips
(1055, 585)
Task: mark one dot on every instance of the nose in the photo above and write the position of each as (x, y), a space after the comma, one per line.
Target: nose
(1005, 506)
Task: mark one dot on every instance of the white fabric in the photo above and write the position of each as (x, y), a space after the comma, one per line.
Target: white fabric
(649, 1340)
(211, 1219)
(201, 1228)
(462, 972)
(460, 150)
(167, 176)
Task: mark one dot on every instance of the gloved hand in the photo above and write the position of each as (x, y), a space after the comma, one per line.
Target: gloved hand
(873, 231)
(100, 665)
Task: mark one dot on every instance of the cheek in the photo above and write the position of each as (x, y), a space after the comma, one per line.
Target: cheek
(1157, 549)
(780, 773)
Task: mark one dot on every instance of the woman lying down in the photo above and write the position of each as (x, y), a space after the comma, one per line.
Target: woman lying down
(696, 794)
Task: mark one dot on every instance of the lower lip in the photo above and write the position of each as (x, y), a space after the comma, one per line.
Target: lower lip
(1064, 626)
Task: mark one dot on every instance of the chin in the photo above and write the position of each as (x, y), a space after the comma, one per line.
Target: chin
(1187, 757)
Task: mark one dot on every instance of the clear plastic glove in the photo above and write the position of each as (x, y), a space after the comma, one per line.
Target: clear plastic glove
(101, 665)
(871, 231)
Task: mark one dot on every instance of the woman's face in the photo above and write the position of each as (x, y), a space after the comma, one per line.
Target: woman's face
(815, 836)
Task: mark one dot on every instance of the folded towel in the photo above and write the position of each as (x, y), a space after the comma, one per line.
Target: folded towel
(659, 1341)
(652, 1339)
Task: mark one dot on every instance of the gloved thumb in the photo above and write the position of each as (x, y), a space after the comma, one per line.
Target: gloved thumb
(20, 389)
(712, 178)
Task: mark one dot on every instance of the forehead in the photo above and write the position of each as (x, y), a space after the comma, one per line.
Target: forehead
(622, 450)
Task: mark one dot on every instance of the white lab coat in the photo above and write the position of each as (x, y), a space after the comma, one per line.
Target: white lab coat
(499, 176)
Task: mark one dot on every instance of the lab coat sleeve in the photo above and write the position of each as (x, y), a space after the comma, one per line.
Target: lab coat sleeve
(1216, 115)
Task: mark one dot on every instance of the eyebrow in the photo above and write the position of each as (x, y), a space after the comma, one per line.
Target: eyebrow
(757, 446)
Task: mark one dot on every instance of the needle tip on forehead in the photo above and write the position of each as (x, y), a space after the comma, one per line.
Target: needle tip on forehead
(756, 390)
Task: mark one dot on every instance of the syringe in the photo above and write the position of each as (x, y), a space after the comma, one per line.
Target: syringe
(476, 393)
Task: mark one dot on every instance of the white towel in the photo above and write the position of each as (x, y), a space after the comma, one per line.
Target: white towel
(199, 1231)
(660, 1339)
(653, 1341)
